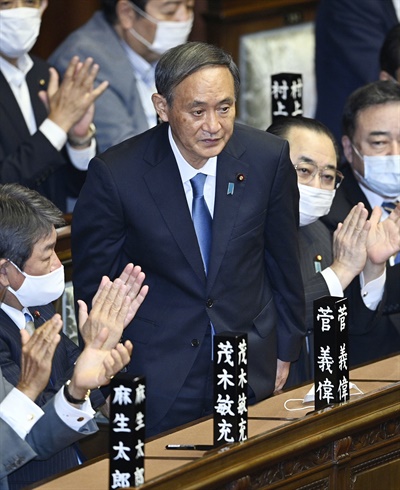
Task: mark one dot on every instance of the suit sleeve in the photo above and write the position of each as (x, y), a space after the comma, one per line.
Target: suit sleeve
(11, 368)
(98, 234)
(31, 162)
(14, 451)
(49, 435)
(283, 259)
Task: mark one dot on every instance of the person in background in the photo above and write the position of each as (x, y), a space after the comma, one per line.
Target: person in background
(127, 37)
(28, 432)
(348, 37)
(31, 278)
(222, 260)
(371, 145)
(389, 57)
(46, 130)
(352, 263)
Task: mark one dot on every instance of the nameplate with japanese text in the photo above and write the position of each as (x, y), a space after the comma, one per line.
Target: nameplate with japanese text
(331, 351)
(127, 431)
(286, 95)
(230, 388)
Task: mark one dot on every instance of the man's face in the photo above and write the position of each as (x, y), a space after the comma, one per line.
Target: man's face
(309, 151)
(42, 261)
(159, 10)
(377, 133)
(202, 114)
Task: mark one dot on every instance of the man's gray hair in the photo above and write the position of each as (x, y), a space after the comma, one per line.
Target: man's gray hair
(178, 63)
(25, 218)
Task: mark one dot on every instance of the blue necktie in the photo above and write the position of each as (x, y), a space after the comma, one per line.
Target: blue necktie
(388, 207)
(201, 217)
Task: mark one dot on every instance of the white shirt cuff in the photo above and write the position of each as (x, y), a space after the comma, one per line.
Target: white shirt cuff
(372, 292)
(74, 417)
(20, 412)
(81, 158)
(333, 283)
(53, 132)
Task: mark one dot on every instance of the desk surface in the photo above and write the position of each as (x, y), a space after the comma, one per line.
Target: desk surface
(265, 417)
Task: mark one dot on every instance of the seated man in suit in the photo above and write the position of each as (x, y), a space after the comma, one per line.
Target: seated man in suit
(353, 263)
(26, 430)
(371, 145)
(46, 130)
(31, 278)
(127, 38)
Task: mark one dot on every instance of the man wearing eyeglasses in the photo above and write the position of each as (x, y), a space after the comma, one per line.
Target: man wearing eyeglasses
(353, 263)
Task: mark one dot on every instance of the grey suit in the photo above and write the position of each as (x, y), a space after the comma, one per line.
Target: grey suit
(48, 436)
(119, 113)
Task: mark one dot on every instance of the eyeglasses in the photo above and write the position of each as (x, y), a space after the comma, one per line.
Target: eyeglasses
(330, 178)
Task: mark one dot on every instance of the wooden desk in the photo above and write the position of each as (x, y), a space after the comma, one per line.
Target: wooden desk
(352, 446)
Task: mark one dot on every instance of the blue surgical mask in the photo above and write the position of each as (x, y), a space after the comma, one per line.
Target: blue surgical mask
(381, 174)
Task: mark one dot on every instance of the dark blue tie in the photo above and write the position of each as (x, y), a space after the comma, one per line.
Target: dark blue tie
(388, 206)
(201, 217)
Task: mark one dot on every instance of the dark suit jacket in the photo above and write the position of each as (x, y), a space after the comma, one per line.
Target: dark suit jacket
(48, 436)
(364, 325)
(133, 208)
(31, 160)
(384, 338)
(348, 38)
(63, 364)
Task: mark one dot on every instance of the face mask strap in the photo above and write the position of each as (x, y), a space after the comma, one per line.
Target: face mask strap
(299, 408)
(357, 151)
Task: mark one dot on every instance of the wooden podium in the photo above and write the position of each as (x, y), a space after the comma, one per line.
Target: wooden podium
(352, 446)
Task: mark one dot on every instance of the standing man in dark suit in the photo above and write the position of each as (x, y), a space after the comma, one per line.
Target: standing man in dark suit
(348, 38)
(30, 275)
(46, 130)
(352, 263)
(371, 145)
(236, 270)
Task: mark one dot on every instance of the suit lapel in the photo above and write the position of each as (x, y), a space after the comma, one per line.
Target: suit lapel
(11, 108)
(36, 82)
(165, 184)
(227, 205)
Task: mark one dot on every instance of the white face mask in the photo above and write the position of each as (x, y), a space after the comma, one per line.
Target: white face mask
(40, 290)
(168, 33)
(314, 203)
(381, 174)
(19, 29)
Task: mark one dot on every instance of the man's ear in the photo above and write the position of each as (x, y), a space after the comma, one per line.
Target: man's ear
(347, 148)
(4, 264)
(125, 14)
(384, 75)
(161, 106)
